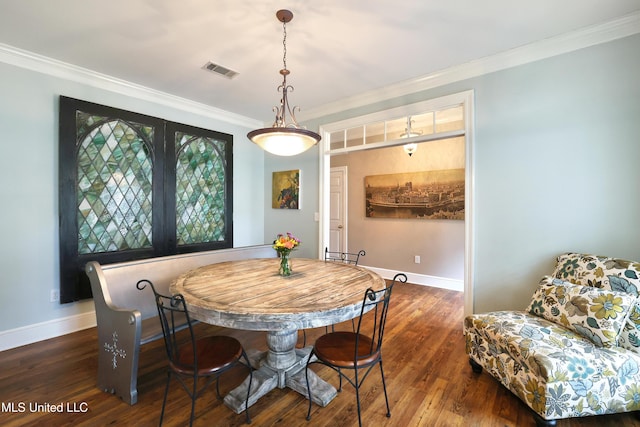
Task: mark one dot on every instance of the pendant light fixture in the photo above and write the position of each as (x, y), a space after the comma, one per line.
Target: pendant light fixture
(408, 133)
(282, 138)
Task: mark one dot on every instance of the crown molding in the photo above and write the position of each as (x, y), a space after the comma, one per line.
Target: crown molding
(624, 26)
(52, 67)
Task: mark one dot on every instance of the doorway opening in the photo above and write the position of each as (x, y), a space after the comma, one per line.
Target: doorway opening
(359, 134)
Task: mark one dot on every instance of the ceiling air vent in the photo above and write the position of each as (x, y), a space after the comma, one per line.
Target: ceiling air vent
(219, 69)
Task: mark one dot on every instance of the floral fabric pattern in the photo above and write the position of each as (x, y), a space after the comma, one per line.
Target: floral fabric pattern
(599, 272)
(630, 335)
(557, 371)
(606, 273)
(596, 314)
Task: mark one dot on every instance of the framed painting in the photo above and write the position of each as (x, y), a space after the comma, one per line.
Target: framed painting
(437, 194)
(285, 193)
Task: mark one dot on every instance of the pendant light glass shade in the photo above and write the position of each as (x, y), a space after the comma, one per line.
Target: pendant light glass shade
(282, 138)
(284, 141)
(410, 148)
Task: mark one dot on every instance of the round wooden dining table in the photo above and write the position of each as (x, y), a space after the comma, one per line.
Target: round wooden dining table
(251, 295)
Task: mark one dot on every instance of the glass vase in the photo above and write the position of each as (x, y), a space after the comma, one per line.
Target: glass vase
(285, 265)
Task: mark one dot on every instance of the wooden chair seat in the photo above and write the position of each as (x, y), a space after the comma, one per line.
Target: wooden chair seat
(214, 354)
(337, 349)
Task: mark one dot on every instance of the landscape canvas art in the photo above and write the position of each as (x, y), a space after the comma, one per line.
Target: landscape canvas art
(437, 194)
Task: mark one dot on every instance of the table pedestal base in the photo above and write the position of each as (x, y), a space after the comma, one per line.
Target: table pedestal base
(281, 366)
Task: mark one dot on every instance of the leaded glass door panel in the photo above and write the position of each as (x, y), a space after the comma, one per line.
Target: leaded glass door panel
(133, 186)
(200, 179)
(115, 177)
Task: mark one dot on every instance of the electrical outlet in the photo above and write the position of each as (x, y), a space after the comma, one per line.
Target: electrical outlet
(54, 295)
(416, 259)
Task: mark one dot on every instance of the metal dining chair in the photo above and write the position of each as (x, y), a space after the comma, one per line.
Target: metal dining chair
(345, 258)
(360, 350)
(194, 358)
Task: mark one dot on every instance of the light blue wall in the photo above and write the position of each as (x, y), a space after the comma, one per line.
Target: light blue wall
(557, 166)
(301, 222)
(29, 187)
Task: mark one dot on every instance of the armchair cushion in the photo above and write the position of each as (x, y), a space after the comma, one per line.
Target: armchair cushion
(606, 273)
(596, 314)
(599, 272)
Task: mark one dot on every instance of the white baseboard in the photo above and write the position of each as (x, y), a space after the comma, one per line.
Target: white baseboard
(45, 330)
(422, 279)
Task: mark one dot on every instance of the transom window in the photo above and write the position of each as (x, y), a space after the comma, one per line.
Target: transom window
(375, 131)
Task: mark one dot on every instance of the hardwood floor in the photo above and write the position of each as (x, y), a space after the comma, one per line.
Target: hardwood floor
(429, 380)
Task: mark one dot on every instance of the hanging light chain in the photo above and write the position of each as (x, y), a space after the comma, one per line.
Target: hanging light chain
(284, 44)
(281, 112)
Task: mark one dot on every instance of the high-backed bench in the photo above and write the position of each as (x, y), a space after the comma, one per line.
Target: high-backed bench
(127, 317)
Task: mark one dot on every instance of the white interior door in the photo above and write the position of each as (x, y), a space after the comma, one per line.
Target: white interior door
(338, 209)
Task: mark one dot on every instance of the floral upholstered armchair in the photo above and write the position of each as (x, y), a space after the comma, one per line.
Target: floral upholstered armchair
(575, 350)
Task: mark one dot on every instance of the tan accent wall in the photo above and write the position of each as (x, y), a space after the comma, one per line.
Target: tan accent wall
(393, 243)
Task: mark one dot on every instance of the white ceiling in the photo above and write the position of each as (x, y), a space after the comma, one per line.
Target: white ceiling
(335, 48)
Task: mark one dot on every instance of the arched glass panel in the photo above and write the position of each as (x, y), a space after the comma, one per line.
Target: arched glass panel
(200, 189)
(114, 193)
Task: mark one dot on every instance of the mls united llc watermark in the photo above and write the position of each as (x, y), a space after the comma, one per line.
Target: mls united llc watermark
(47, 407)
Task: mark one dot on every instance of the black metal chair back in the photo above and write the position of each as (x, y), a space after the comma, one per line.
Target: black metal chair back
(371, 323)
(345, 257)
(173, 314)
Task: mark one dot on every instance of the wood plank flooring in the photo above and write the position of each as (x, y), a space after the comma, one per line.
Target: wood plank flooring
(429, 380)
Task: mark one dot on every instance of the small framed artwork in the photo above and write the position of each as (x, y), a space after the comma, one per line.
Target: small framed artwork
(285, 193)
